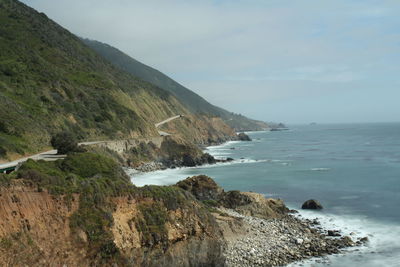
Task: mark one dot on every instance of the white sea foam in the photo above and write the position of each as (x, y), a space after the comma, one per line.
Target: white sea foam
(172, 176)
(320, 169)
(381, 250)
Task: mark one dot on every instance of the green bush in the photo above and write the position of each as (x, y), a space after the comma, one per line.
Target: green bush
(3, 152)
(90, 164)
(64, 142)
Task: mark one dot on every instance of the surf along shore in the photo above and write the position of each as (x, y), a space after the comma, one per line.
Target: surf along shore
(263, 232)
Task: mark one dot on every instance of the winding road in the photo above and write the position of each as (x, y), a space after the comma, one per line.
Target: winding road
(168, 120)
(52, 155)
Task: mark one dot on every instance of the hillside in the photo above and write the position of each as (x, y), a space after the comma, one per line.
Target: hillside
(191, 100)
(50, 81)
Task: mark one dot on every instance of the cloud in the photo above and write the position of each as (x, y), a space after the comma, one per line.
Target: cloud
(220, 44)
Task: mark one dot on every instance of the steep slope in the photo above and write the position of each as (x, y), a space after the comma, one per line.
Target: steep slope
(191, 100)
(51, 81)
(83, 211)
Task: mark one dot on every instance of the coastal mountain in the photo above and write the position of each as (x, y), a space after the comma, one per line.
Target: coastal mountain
(50, 81)
(190, 100)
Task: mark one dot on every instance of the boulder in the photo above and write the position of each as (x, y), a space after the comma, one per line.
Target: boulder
(243, 137)
(312, 204)
(347, 241)
(333, 233)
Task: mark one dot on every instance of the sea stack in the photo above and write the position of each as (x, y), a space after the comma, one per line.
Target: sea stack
(312, 204)
(244, 137)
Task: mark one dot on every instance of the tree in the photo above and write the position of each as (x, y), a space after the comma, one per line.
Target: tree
(64, 142)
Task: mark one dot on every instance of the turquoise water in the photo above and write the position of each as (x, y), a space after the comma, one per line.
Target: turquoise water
(352, 169)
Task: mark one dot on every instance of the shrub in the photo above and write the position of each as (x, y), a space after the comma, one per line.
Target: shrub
(3, 152)
(64, 142)
(87, 165)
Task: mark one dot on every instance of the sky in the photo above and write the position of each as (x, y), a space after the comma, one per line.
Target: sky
(292, 61)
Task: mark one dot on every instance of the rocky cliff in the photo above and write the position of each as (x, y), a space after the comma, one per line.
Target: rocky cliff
(82, 211)
(36, 230)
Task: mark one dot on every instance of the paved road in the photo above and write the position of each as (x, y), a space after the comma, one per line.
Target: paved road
(168, 120)
(52, 155)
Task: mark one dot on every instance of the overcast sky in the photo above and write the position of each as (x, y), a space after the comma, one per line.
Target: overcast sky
(294, 61)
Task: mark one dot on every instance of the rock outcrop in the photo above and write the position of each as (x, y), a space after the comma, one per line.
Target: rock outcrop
(246, 203)
(243, 137)
(260, 231)
(202, 187)
(159, 227)
(312, 204)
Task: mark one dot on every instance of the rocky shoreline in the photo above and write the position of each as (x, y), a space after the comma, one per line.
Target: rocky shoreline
(162, 165)
(259, 231)
(264, 232)
(280, 241)
(187, 159)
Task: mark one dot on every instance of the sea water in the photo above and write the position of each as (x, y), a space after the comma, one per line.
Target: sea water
(352, 169)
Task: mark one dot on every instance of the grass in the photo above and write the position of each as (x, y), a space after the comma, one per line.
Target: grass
(50, 82)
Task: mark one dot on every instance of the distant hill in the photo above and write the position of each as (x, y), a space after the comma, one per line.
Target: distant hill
(51, 81)
(191, 100)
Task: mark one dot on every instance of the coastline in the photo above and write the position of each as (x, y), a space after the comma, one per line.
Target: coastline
(288, 240)
(295, 245)
(157, 165)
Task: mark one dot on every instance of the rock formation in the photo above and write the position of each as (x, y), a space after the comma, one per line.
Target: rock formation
(243, 137)
(312, 204)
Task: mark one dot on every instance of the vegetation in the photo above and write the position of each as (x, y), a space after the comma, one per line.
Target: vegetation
(5, 179)
(191, 100)
(64, 142)
(172, 197)
(50, 82)
(152, 224)
(95, 178)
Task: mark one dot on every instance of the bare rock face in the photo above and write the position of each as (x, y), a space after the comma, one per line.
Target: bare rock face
(234, 199)
(254, 204)
(247, 203)
(312, 204)
(202, 187)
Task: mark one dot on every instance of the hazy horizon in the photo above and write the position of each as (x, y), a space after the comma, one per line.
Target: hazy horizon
(286, 61)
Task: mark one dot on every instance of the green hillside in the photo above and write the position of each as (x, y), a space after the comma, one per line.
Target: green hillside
(51, 81)
(191, 100)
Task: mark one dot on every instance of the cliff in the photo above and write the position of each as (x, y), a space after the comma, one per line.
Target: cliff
(83, 211)
(37, 229)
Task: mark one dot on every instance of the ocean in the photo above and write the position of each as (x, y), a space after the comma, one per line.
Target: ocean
(352, 169)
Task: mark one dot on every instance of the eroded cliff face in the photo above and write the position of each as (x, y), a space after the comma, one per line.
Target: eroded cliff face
(154, 233)
(34, 228)
(157, 227)
(201, 130)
